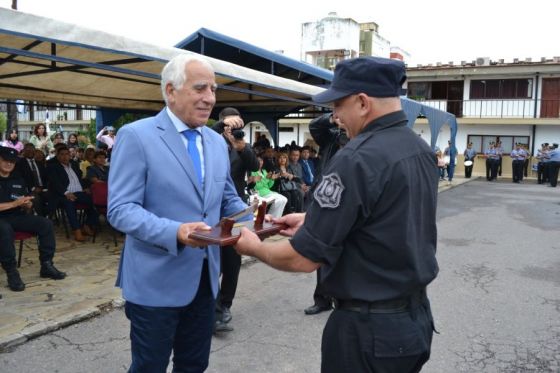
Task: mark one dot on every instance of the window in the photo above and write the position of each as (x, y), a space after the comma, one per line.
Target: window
(501, 89)
(482, 142)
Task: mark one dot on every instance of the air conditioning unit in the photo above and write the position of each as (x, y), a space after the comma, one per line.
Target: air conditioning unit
(483, 61)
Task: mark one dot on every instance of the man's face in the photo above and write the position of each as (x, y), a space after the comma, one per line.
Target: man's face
(345, 115)
(193, 102)
(294, 156)
(99, 160)
(72, 153)
(6, 167)
(305, 154)
(29, 151)
(63, 157)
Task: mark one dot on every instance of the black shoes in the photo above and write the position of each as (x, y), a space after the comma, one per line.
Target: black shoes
(48, 270)
(14, 280)
(315, 309)
(223, 317)
(226, 314)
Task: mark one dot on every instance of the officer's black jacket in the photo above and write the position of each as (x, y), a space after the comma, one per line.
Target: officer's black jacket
(12, 188)
(378, 240)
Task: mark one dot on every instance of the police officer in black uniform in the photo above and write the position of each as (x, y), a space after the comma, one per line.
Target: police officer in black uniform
(371, 228)
(14, 205)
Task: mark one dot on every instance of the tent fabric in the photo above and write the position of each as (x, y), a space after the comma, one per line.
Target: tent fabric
(436, 119)
(47, 60)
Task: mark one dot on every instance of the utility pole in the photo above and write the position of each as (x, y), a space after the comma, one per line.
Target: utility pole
(11, 108)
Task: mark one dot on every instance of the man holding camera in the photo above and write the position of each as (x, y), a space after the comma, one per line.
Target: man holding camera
(242, 160)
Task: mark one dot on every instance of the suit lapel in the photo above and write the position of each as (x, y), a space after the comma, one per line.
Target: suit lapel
(173, 141)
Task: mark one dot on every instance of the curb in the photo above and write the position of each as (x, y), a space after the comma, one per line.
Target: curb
(43, 327)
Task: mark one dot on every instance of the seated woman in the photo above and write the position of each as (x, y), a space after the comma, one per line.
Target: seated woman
(263, 182)
(41, 139)
(99, 171)
(288, 185)
(12, 141)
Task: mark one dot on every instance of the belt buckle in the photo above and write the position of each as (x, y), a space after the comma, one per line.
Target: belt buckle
(336, 303)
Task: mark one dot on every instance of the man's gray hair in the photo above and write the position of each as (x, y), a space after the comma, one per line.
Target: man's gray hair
(174, 71)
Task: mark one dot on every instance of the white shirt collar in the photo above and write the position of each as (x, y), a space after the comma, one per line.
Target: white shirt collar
(179, 125)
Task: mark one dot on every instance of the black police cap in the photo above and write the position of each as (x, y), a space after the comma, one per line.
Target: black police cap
(8, 154)
(374, 76)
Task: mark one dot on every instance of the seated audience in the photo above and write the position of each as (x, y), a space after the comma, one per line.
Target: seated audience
(264, 180)
(41, 139)
(287, 185)
(35, 176)
(65, 188)
(99, 171)
(12, 141)
(14, 207)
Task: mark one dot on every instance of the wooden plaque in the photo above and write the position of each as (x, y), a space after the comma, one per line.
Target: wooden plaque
(228, 231)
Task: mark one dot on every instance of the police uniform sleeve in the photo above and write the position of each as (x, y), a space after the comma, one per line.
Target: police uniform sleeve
(339, 204)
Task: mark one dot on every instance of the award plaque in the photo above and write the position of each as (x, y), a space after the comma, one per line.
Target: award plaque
(228, 230)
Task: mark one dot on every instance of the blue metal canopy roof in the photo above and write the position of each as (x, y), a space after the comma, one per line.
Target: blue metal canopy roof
(226, 48)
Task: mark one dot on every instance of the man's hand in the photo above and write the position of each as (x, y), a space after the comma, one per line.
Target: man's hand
(186, 229)
(248, 243)
(233, 121)
(293, 221)
(70, 196)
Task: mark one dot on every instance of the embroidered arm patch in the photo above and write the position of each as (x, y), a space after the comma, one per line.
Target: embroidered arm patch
(329, 192)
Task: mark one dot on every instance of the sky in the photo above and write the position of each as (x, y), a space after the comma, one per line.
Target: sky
(430, 30)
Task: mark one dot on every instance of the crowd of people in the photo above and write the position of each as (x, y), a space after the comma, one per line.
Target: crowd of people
(40, 180)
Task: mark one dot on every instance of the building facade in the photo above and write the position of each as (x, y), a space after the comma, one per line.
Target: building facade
(517, 102)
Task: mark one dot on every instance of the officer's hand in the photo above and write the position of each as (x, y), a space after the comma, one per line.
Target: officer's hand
(293, 221)
(186, 229)
(23, 201)
(234, 121)
(248, 242)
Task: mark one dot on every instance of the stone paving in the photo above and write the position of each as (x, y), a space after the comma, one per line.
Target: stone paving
(87, 291)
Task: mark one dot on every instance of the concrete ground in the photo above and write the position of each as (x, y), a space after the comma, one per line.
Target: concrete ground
(495, 300)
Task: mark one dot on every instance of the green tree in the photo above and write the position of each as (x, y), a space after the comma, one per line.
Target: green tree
(3, 123)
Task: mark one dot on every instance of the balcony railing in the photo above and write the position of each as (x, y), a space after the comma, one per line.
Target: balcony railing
(510, 108)
(57, 115)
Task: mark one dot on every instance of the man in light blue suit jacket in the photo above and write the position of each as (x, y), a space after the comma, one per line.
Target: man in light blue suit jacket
(159, 193)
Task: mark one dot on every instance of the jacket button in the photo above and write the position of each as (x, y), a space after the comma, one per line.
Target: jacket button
(204, 215)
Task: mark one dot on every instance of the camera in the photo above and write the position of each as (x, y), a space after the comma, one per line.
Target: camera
(238, 134)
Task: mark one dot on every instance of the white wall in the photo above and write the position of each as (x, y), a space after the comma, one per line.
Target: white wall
(330, 34)
(549, 134)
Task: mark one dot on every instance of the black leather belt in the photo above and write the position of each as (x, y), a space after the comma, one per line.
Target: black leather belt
(381, 306)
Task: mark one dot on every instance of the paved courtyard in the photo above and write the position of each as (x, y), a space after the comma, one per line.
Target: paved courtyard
(496, 300)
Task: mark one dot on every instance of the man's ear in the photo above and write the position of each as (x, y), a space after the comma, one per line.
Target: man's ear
(169, 90)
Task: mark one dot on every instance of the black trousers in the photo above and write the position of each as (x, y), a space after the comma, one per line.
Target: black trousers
(468, 170)
(377, 343)
(319, 298)
(231, 265)
(517, 170)
(499, 166)
(187, 331)
(492, 169)
(553, 168)
(92, 217)
(488, 167)
(542, 172)
(29, 223)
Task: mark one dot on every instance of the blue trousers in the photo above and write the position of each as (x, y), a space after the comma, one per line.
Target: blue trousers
(187, 331)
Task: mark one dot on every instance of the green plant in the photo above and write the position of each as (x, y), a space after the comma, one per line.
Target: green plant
(3, 122)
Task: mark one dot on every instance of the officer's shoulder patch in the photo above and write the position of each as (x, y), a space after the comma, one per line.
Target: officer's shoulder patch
(328, 193)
